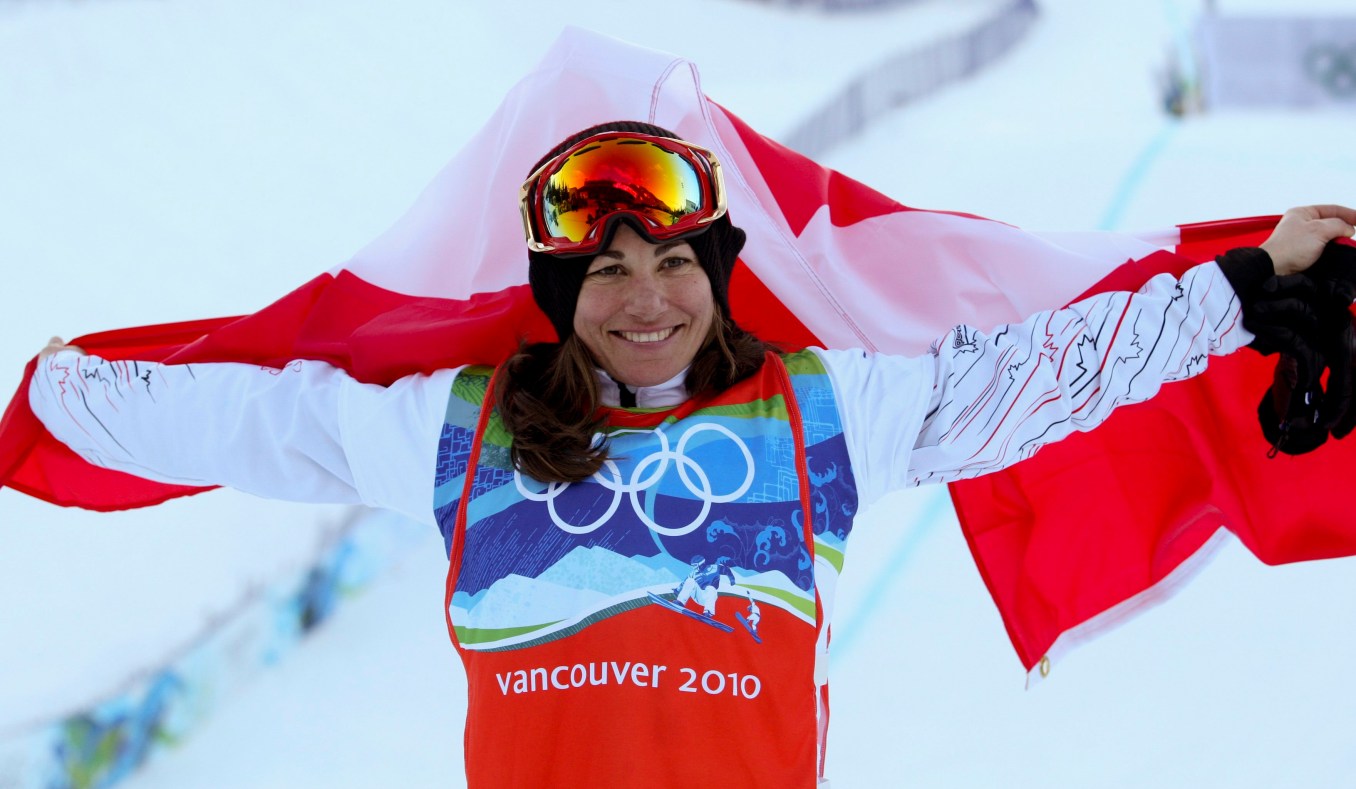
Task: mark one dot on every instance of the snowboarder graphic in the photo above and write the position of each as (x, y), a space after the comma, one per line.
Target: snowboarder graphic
(753, 615)
(703, 583)
(750, 621)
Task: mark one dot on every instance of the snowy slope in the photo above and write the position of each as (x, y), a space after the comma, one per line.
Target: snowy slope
(260, 144)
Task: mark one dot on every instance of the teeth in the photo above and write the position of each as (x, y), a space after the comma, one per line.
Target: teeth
(647, 336)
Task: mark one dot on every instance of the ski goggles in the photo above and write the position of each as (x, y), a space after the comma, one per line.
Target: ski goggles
(668, 188)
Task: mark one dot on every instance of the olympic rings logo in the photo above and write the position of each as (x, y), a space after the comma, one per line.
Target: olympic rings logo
(1333, 68)
(646, 474)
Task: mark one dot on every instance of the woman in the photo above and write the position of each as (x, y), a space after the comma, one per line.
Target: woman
(645, 521)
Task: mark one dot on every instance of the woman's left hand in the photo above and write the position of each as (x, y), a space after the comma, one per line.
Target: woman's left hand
(56, 345)
(1302, 233)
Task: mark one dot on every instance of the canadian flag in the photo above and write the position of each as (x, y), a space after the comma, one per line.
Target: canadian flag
(1069, 541)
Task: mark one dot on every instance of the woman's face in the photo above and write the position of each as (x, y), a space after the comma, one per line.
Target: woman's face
(644, 309)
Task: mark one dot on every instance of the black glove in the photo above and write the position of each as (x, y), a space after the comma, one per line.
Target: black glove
(1290, 409)
(1334, 276)
(1284, 315)
(1306, 319)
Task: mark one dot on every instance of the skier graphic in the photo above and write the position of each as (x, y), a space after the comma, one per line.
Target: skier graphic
(703, 583)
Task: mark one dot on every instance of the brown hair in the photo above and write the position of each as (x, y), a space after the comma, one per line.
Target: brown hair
(547, 396)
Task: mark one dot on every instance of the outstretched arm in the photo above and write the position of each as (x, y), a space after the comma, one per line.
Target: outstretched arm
(998, 397)
(984, 400)
(306, 432)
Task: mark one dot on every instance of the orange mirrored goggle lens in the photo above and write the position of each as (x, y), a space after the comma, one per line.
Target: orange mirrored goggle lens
(657, 185)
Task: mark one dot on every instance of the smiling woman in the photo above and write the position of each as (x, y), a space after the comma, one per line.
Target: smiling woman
(646, 519)
(644, 309)
(630, 256)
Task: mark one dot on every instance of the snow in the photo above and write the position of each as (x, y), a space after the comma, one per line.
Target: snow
(173, 160)
(1294, 10)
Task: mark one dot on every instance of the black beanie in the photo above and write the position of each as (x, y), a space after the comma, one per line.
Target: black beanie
(556, 280)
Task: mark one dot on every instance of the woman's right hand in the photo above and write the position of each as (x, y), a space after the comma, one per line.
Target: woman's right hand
(57, 344)
(1303, 232)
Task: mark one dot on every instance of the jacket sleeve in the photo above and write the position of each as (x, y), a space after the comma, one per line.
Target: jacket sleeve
(307, 432)
(980, 401)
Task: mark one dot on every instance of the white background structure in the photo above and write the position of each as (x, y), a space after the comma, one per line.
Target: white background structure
(164, 161)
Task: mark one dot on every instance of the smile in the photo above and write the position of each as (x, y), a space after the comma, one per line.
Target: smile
(647, 336)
